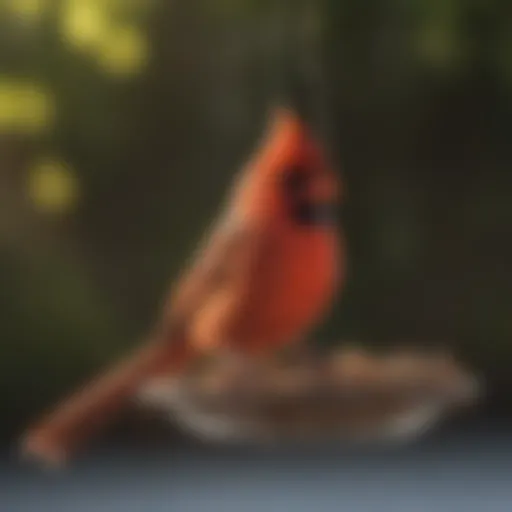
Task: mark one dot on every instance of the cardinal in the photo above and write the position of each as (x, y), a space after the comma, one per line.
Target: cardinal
(265, 275)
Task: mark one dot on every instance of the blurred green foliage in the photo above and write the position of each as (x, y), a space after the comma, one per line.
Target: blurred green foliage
(122, 122)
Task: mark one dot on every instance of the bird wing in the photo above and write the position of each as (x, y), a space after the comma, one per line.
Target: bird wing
(228, 261)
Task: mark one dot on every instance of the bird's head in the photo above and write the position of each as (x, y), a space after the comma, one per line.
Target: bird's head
(289, 179)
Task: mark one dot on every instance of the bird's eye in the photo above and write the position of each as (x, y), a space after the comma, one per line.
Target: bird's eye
(295, 179)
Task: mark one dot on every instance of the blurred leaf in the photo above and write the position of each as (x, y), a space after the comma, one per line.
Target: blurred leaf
(25, 107)
(124, 51)
(52, 186)
(84, 23)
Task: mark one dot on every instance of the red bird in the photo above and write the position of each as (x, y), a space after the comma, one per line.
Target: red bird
(265, 275)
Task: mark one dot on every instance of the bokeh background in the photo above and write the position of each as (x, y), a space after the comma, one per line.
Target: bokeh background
(123, 121)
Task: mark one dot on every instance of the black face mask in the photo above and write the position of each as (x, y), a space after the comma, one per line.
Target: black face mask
(308, 213)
